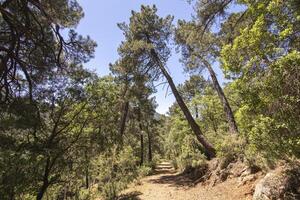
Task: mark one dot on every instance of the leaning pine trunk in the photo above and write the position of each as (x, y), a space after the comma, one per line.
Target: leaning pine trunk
(196, 129)
(228, 111)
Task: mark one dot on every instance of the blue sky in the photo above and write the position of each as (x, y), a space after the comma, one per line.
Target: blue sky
(100, 23)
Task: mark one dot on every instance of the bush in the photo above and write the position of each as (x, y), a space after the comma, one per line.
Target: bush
(229, 148)
(190, 155)
(115, 172)
(85, 194)
(265, 144)
(144, 170)
(155, 160)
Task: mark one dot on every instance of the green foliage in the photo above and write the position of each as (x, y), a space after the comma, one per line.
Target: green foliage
(269, 113)
(263, 141)
(85, 194)
(145, 170)
(181, 146)
(145, 32)
(210, 109)
(34, 48)
(115, 170)
(190, 156)
(265, 63)
(229, 147)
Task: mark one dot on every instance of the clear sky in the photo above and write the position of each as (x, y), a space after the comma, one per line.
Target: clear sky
(100, 22)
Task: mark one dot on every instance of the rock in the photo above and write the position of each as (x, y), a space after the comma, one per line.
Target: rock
(266, 189)
(239, 169)
(213, 164)
(280, 184)
(246, 172)
(196, 173)
(213, 182)
(231, 165)
(224, 162)
(246, 179)
(223, 175)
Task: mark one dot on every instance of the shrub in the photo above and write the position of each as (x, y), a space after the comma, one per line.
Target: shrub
(190, 155)
(115, 171)
(229, 147)
(85, 194)
(144, 170)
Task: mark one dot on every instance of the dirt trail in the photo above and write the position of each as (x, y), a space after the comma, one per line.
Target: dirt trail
(167, 184)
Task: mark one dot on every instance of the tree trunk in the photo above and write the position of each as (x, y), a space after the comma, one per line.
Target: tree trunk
(196, 112)
(214, 125)
(42, 192)
(45, 184)
(86, 170)
(87, 178)
(11, 195)
(149, 145)
(210, 151)
(125, 108)
(141, 139)
(227, 109)
(65, 192)
(124, 117)
(142, 149)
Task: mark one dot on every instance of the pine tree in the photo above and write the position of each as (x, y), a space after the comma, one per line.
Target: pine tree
(147, 36)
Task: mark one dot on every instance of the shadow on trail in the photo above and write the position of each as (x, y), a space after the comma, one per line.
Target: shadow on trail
(163, 168)
(188, 178)
(130, 196)
(162, 171)
(177, 180)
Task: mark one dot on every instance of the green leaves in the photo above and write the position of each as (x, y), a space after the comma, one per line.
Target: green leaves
(263, 59)
(115, 171)
(34, 48)
(258, 49)
(146, 31)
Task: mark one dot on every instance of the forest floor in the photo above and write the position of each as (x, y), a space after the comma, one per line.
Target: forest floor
(167, 184)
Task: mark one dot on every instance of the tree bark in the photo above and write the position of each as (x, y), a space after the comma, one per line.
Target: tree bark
(45, 184)
(149, 145)
(11, 195)
(142, 149)
(196, 112)
(227, 109)
(141, 139)
(86, 170)
(125, 108)
(42, 192)
(124, 117)
(210, 151)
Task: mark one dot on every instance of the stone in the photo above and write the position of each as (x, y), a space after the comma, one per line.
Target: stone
(246, 179)
(280, 184)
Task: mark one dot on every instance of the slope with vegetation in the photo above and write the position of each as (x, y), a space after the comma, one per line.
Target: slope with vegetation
(66, 133)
